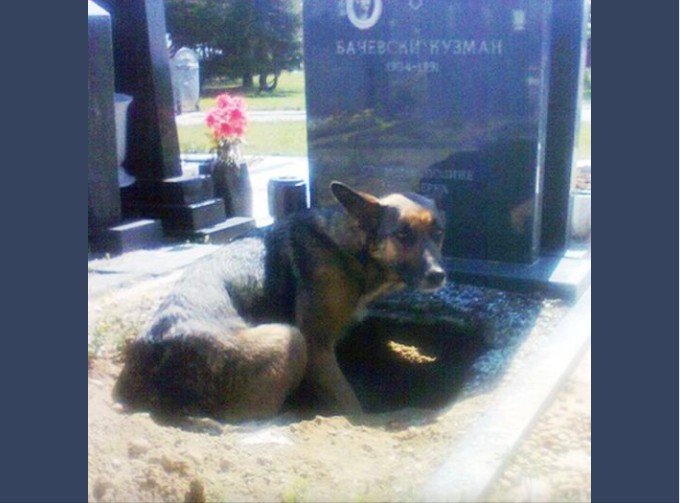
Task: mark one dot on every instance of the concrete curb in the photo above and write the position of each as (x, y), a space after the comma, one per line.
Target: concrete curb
(478, 460)
(198, 118)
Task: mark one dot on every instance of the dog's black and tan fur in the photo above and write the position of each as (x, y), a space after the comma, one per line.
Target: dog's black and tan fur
(259, 319)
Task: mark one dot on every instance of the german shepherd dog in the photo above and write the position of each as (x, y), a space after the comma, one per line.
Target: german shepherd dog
(257, 322)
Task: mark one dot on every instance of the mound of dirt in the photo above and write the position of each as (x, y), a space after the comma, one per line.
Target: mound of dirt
(382, 456)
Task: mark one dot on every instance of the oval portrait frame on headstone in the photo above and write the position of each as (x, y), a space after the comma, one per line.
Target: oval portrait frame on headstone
(364, 24)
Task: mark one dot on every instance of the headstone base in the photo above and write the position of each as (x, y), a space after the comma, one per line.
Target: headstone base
(567, 276)
(220, 233)
(127, 236)
(187, 208)
(177, 190)
(190, 217)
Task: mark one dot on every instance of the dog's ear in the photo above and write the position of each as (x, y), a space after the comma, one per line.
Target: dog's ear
(365, 208)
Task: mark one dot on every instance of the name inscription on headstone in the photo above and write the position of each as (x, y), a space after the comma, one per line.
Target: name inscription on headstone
(415, 47)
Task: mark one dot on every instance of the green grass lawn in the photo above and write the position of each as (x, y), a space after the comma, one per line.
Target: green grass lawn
(264, 138)
(583, 149)
(288, 95)
(290, 138)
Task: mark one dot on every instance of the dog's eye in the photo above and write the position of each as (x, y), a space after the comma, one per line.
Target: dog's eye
(406, 236)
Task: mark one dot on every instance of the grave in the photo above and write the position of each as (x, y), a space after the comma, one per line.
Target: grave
(455, 100)
(132, 59)
(106, 230)
(105, 209)
(567, 63)
(186, 84)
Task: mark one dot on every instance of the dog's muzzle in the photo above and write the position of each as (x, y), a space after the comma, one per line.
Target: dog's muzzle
(433, 277)
(433, 280)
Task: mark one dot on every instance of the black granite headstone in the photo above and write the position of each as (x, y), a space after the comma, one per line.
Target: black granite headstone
(103, 195)
(142, 70)
(446, 98)
(106, 232)
(567, 63)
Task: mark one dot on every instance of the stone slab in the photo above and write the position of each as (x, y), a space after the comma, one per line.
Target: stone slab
(220, 233)
(180, 190)
(110, 274)
(180, 219)
(128, 236)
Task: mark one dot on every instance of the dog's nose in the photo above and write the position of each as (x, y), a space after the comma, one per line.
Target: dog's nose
(435, 278)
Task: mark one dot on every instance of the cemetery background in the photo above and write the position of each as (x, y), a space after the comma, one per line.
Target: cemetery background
(132, 458)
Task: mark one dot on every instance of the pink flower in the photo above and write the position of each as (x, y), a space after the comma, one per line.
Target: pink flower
(239, 130)
(224, 101)
(237, 115)
(210, 120)
(228, 120)
(226, 130)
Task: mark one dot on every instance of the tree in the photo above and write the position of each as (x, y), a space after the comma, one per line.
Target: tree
(239, 38)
